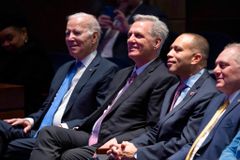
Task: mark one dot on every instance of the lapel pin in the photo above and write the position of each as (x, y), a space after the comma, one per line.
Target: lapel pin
(192, 93)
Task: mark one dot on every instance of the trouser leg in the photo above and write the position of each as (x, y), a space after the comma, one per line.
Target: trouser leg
(53, 141)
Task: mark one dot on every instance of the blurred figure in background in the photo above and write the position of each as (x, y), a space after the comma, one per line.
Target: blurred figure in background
(115, 19)
(23, 62)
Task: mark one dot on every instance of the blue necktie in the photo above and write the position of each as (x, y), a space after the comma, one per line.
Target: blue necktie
(48, 118)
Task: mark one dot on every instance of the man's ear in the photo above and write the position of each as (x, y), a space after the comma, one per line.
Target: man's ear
(197, 57)
(95, 37)
(157, 43)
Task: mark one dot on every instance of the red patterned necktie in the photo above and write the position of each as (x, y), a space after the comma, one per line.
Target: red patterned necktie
(179, 89)
(132, 77)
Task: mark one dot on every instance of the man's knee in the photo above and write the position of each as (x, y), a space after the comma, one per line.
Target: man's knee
(69, 155)
(47, 132)
(77, 154)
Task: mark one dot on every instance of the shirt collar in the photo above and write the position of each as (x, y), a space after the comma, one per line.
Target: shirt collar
(233, 96)
(191, 80)
(141, 69)
(88, 59)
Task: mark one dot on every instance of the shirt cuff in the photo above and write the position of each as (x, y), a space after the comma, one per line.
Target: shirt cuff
(135, 155)
(30, 120)
(64, 125)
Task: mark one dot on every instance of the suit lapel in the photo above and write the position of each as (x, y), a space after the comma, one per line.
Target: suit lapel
(60, 78)
(214, 105)
(229, 109)
(138, 82)
(168, 100)
(191, 93)
(121, 82)
(122, 79)
(88, 73)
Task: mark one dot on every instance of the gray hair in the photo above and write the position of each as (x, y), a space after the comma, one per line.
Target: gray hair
(159, 29)
(236, 47)
(93, 25)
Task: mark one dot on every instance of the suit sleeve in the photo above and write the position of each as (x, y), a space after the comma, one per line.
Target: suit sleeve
(156, 100)
(38, 116)
(101, 93)
(104, 85)
(154, 106)
(231, 151)
(163, 149)
(181, 154)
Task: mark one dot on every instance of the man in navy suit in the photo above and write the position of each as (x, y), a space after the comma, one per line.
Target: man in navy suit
(132, 107)
(227, 72)
(180, 117)
(86, 93)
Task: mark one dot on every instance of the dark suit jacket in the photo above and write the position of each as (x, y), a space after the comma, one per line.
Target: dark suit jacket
(179, 126)
(222, 133)
(86, 97)
(138, 108)
(120, 52)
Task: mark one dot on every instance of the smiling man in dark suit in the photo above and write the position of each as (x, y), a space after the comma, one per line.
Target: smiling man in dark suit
(183, 107)
(131, 108)
(84, 94)
(214, 137)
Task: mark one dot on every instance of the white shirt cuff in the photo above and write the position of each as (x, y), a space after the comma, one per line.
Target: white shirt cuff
(64, 125)
(30, 120)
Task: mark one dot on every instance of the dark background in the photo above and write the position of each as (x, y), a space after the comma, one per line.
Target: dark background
(217, 20)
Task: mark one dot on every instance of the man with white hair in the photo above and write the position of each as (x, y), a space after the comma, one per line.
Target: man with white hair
(78, 89)
(133, 104)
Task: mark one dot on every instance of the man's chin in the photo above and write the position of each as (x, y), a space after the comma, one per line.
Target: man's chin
(133, 55)
(220, 87)
(73, 53)
(172, 70)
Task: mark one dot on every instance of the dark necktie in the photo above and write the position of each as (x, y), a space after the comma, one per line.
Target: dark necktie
(48, 118)
(178, 91)
(132, 77)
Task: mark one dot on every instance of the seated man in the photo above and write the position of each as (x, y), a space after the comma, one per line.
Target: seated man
(183, 106)
(78, 89)
(132, 106)
(221, 120)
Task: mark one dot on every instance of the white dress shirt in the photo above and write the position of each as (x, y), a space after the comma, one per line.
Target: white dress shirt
(60, 111)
